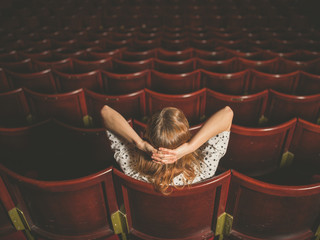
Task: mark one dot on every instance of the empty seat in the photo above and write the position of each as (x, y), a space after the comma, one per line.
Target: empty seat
(91, 64)
(14, 109)
(191, 104)
(24, 65)
(174, 67)
(212, 55)
(308, 84)
(190, 212)
(248, 109)
(67, 107)
(174, 83)
(260, 81)
(228, 83)
(221, 66)
(121, 66)
(263, 211)
(133, 56)
(165, 55)
(130, 105)
(264, 148)
(40, 81)
(305, 146)
(124, 83)
(267, 66)
(72, 80)
(282, 107)
(74, 209)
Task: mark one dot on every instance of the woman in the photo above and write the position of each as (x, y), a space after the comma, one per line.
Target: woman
(168, 154)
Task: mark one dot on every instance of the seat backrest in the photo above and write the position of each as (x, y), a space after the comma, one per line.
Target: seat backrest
(191, 104)
(67, 107)
(260, 81)
(174, 83)
(165, 55)
(305, 146)
(308, 84)
(228, 83)
(188, 213)
(73, 81)
(266, 211)
(185, 66)
(282, 107)
(121, 66)
(14, 108)
(248, 109)
(74, 209)
(41, 81)
(257, 151)
(124, 83)
(130, 105)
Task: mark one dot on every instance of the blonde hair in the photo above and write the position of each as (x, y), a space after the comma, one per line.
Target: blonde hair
(168, 128)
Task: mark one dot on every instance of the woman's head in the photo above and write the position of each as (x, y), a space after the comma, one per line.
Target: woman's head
(168, 128)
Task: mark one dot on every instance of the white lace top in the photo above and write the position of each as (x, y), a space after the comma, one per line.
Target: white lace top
(213, 150)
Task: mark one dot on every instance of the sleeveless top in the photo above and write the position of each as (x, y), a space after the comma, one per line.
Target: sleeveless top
(213, 150)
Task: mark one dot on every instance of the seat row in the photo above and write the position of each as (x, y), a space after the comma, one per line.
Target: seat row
(82, 107)
(114, 77)
(107, 203)
(38, 149)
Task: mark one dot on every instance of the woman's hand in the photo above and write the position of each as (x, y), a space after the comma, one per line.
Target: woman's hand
(146, 147)
(169, 156)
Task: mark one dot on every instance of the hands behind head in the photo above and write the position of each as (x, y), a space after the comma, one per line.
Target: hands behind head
(169, 156)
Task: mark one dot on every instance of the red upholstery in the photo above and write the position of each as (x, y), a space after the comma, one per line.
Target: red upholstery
(66, 202)
(282, 107)
(68, 107)
(253, 204)
(174, 83)
(130, 105)
(151, 215)
(248, 109)
(14, 108)
(257, 151)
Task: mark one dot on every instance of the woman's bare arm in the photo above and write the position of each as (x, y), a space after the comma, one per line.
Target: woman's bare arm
(117, 124)
(219, 122)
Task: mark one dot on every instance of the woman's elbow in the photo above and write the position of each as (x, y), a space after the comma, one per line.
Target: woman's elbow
(229, 116)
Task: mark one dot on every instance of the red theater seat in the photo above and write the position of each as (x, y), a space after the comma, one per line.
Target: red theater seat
(121, 66)
(188, 213)
(192, 104)
(40, 81)
(130, 105)
(132, 56)
(257, 151)
(282, 107)
(89, 64)
(222, 66)
(260, 81)
(183, 55)
(174, 83)
(308, 84)
(263, 211)
(124, 83)
(14, 109)
(228, 83)
(185, 66)
(67, 107)
(81, 208)
(248, 109)
(71, 80)
(305, 146)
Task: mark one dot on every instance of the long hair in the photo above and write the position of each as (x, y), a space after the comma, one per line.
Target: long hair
(168, 128)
